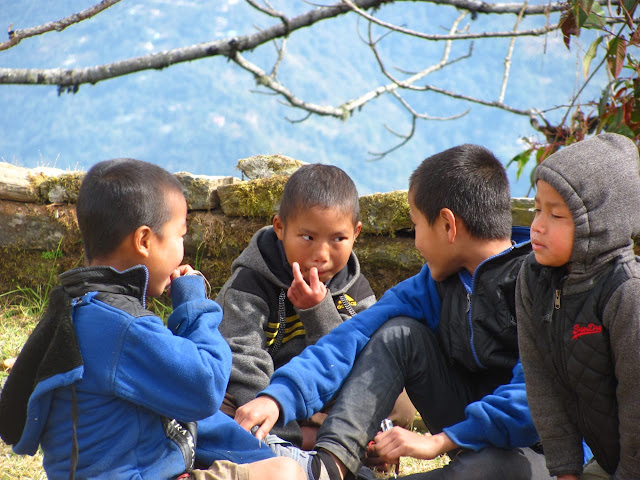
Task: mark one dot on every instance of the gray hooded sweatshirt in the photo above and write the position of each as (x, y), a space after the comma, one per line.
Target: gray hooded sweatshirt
(579, 324)
(263, 328)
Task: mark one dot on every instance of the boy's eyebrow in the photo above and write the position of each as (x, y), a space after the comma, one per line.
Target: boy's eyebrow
(307, 231)
(556, 203)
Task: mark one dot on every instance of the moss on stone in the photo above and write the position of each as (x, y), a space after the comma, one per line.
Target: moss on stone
(522, 211)
(385, 213)
(62, 188)
(254, 198)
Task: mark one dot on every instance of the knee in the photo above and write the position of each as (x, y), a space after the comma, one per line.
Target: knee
(289, 468)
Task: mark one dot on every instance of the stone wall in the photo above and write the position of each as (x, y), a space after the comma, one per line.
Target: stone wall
(39, 237)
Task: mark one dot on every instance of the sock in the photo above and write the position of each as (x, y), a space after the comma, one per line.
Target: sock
(330, 470)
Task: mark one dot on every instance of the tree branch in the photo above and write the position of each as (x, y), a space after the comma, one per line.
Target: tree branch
(507, 59)
(460, 36)
(15, 36)
(225, 47)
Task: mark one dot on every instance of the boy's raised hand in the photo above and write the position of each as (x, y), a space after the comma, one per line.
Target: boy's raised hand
(304, 295)
(180, 271)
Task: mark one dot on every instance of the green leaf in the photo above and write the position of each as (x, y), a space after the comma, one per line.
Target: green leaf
(521, 161)
(590, 55)
(630, 5)
(604, 100)
(594, 21)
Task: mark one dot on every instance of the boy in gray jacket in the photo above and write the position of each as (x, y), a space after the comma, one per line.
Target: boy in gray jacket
(294, 283)
(578, 309)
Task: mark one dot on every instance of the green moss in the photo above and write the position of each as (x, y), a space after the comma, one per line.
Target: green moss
(255, 198)
(63, 188)
(385, 213)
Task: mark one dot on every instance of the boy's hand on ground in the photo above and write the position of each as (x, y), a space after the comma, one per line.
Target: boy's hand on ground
(304, 295)
(399, 442)
(180, 271)
(263, 411)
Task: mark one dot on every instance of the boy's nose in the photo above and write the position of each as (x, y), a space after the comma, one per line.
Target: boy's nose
(537, 225)
(322, 253)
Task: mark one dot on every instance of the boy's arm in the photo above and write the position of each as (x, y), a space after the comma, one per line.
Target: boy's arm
(622, 319)
(180, 372)
(560, 438)
(309, 380)
(501, 419)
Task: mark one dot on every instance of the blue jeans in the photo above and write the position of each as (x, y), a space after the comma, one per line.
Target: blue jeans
(405, 353)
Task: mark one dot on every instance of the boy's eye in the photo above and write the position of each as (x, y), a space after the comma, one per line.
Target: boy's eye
(339, 239)
(307, 237)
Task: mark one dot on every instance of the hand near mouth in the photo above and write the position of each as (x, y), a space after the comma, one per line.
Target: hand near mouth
(305, 295)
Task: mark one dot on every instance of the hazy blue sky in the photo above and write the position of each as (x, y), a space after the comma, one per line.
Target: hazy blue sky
(201, 116)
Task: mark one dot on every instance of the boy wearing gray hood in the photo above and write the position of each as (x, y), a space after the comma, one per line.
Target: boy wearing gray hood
(294, 283)
(578, 309)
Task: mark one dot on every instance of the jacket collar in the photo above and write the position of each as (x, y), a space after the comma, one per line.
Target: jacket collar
(131, 282)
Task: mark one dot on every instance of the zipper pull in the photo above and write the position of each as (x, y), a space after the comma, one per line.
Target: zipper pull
(468, 302)
(556, 302)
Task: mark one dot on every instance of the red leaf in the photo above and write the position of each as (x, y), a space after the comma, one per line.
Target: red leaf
(569, 27)
(616, 55)
(635, 37)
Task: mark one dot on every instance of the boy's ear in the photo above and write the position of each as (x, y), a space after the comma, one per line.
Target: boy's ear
(357, 231)
(448, 219)
(142, 240)
(278, 226)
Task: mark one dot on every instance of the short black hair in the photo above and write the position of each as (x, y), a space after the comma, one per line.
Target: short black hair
(471, 182)
(318, 185)
(116, 197)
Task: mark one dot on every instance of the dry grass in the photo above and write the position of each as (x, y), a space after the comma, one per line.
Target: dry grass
(18, 314)
(19, 311)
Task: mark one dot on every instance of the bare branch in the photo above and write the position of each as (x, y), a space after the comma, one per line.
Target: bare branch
(476, 6)
(15, 36)
(444, 61)
(486, 103)
(272, 83)
(461, 36)
(225, 47)
(507, 59)
(280, 50)
(300, 120)
(269, 10)
(406, 138)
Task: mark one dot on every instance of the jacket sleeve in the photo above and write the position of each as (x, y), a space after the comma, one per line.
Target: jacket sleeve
(324, 317)
(312, 378)
(561, 439)
(245, 317)
(319, 320)
(501, 419)
(622, 319)
(180, 372)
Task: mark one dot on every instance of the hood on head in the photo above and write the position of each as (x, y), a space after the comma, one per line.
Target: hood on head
(599, 179)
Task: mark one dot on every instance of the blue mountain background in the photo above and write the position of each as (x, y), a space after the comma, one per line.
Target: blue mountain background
(204, 115)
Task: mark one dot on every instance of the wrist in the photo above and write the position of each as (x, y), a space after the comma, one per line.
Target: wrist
(445, 444)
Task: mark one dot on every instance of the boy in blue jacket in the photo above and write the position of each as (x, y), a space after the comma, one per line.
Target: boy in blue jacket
(102, 385)
(448, 335)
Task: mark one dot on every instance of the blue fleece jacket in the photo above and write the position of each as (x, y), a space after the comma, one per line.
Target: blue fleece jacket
(136, 371)
(308, 381)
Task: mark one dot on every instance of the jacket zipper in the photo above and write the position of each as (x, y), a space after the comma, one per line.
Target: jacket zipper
(558, 337)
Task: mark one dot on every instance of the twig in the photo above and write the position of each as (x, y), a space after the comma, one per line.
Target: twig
(507, 59)
(15, 36)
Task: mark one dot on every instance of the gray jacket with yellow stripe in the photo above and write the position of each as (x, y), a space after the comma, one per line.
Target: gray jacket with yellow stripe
(264, 329)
